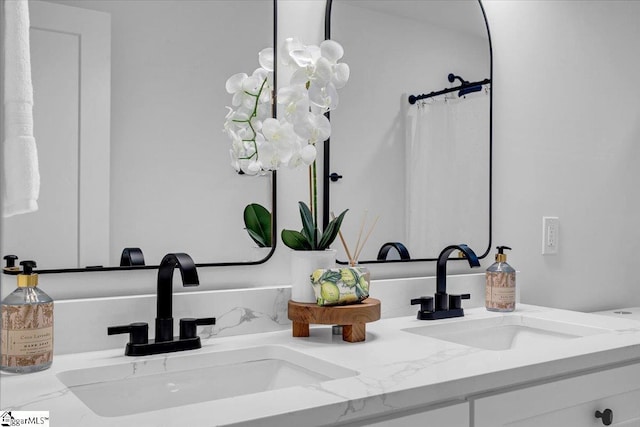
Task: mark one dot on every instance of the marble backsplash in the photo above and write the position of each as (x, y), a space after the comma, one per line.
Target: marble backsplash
(81, 325)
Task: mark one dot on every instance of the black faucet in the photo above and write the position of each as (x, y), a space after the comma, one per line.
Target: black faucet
(164, 316)
(446, 306)
(164, 342)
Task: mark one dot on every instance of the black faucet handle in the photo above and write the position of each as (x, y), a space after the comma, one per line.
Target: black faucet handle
(426, 303)
(138, 332)
(455, 301)
(188, 326)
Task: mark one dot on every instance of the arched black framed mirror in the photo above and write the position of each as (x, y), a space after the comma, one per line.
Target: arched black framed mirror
(423, 168)
(147, 166)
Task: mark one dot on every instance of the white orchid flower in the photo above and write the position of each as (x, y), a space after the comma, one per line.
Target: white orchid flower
(244, 166)
(295, 100)
(281, 135)
(302, 57)
(324, 97)
(315, 59)
(307, 65)
(308, 154)
(253, 167)
(234, 83)
(240, 117)
(260, 143)
(234, 86)
(340, 75)
(234, 160)
(331, 50)
(323, 72)
(240, 159)
(265, 58)
(304, 155)
(300, 77)
(314, 128)
(268, 156)
(276, 130)
(231, 133)
(279, 143)
(271, 155)
(264, 76)
(264, 111)
(290, 44)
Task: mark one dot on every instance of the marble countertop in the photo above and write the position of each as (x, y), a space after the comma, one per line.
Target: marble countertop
(397, 370)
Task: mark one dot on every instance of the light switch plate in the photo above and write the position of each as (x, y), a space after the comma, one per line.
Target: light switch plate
(550, 227)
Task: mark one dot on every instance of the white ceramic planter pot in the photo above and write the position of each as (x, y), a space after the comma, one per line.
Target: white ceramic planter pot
(303, 263)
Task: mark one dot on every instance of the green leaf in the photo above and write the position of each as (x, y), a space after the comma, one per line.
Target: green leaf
(331, 232)
(257, 220)
(309, 228)
(257, 238)
(331, 276)
(360, 293)
(295, 240)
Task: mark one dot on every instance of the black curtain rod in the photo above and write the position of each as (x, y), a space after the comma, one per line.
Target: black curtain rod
(414, 98)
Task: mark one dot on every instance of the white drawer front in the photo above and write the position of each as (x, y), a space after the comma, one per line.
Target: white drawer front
(567, 403)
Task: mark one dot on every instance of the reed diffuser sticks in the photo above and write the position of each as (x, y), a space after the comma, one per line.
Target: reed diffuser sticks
(353, 260)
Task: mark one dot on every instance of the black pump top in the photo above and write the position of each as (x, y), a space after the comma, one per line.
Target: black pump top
(28, 267)
(10, 265)
(10, 260)
(501, 256)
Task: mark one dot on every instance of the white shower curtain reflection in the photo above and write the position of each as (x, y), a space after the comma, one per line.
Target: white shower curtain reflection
(446, 155)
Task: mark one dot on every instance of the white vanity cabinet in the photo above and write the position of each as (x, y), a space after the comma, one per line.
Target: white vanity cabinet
(455, 415)
(570, 402)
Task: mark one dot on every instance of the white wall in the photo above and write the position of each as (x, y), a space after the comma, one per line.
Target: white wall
(566, 120)
(567, 144)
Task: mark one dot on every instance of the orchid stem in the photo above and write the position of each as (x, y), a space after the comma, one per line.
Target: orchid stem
(314, 192)
(254, 113)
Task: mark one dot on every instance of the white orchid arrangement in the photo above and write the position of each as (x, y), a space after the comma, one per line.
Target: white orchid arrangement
(261, 143)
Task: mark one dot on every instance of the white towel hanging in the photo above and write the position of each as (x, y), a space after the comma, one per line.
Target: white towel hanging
(21, 177)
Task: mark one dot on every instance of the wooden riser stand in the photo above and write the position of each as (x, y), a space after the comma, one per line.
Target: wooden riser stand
(353, 318)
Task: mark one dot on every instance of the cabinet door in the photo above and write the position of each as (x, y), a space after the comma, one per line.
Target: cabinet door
(621, 405)
(456, 415)
(568, 403)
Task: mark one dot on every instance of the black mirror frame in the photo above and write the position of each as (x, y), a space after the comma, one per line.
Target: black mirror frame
(326, 177)
(274, 232)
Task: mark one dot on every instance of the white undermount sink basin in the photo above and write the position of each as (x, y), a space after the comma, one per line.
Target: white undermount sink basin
(144, 385)
(505, 332)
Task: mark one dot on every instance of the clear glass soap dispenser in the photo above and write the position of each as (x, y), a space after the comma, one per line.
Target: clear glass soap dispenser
(500, 290)
(26, 344)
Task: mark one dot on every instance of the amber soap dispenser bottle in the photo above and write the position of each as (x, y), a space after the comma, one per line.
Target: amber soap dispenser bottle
(500, 290)
(26, 343)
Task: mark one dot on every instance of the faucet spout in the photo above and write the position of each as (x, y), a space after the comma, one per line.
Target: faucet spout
(164, 317)
(441, 268)
(139, 344)
(442, 305)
